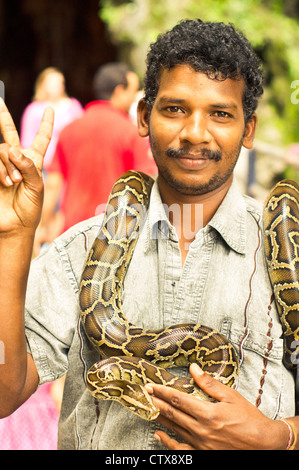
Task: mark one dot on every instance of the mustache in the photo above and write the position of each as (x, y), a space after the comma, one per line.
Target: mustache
(203, 153)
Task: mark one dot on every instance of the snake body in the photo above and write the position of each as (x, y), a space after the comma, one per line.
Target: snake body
(132, 355)
(281, 230)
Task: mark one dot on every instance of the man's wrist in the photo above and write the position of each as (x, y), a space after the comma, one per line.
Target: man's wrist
(20, 234)
(284, 436)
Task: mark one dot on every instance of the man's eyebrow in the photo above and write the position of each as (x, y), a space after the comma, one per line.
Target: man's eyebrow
(224, 106)
(169, 99)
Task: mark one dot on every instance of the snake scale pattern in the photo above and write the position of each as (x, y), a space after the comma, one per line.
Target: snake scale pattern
(133, 356)
(281, 233)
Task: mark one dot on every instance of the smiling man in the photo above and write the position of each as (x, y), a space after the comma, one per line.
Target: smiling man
(196, 128)
(202, 86)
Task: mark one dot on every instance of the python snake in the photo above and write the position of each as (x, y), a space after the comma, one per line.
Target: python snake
(281, 233)
(133, 355)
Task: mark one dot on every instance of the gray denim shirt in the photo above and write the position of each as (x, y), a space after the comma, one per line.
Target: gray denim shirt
(223, 284)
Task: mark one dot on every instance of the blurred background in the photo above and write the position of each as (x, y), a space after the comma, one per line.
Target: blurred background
(79, 36)
(36, 34)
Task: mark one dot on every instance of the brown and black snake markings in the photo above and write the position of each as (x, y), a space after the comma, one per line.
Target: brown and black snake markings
(132, 356)
(281, 229)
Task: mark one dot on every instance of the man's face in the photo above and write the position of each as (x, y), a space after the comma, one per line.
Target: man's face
(196, 129)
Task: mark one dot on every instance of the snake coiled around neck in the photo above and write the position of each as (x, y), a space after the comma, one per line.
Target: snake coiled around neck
(131, 355)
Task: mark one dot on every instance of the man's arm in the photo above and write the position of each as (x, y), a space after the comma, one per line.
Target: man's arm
(18, 375)
(231, 423)
(21, 196)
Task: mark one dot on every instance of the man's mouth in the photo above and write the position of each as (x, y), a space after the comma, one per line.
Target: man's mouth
(202, 154)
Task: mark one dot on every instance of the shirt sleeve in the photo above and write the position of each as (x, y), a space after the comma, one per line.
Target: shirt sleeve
(52, 308)
(77, 108)
(51, 312)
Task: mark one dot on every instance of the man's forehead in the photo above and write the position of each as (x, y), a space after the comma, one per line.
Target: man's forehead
(183, 79)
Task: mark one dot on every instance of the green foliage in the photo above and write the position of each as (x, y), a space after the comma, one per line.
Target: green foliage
(134, 24)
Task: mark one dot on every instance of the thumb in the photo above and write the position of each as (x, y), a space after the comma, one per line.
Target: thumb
(209, 385)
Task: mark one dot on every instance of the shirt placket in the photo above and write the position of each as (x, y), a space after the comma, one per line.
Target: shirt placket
(171, 279)
(181, 289)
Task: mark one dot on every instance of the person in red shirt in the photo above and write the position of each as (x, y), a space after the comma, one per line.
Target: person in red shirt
(93, 151)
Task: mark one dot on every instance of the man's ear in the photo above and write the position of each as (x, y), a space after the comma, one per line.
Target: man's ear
(143, 118)
(250, 132)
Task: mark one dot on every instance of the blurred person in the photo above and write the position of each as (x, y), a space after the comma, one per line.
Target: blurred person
(49, 90)
(93, 151)
(34, 426)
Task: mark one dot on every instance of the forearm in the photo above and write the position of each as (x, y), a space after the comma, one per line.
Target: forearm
(15, 258)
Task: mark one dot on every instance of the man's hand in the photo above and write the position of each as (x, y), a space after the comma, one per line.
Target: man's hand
(21, 181)
(230, 423)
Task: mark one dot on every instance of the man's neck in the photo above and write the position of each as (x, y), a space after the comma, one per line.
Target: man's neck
(189, 213)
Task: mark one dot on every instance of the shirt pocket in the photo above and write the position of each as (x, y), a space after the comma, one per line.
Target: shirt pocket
(263, 380)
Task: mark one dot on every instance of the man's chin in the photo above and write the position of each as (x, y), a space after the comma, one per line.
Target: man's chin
(193, 188)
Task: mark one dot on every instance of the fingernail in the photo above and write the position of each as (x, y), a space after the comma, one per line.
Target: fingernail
(16, 175)
(199, 371)
(8, 181)
(156, 436)
(148, 388)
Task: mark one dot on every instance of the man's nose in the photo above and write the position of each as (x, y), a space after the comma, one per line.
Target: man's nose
(195, 129)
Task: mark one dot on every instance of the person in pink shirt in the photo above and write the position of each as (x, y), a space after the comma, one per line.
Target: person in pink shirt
(49, 91)
(34, 426)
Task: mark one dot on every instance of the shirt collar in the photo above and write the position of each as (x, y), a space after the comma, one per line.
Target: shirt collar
(229, 220)
(157, 221)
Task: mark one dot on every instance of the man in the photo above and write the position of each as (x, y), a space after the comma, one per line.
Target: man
(198, 110)
(93, 151)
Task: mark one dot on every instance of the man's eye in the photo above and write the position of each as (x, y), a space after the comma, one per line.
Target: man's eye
(222, 114)
(173, 109)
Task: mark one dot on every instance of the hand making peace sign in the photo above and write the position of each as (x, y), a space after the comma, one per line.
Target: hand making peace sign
(21, 181)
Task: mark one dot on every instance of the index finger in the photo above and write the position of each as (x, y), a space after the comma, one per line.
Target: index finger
(164, 396)
(44, 133)
(7, 126)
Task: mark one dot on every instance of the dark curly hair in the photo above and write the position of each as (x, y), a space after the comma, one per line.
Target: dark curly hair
(216, 49)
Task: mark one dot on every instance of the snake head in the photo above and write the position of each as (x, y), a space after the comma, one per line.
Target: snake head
(140, 402)
(132, 396)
